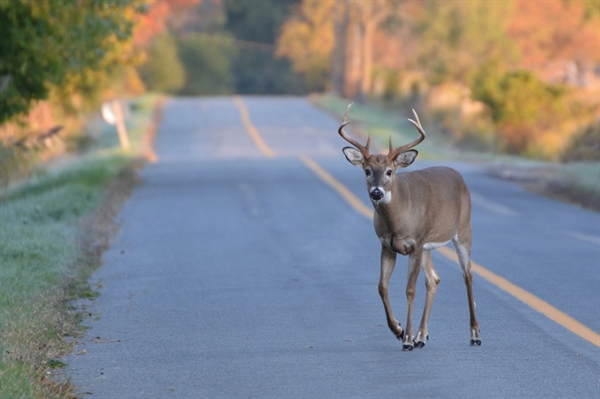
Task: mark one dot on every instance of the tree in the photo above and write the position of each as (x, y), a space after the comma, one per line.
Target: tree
(355, 23)
(458, 37)
(47, 42)
(307, 41)
(574, 39)
(163, 70)
(255, 26)
(207, 62)
(522, 106)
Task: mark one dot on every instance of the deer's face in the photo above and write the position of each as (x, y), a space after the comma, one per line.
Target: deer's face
(380, 171)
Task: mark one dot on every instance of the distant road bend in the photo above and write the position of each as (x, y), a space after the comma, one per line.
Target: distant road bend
(247, 266)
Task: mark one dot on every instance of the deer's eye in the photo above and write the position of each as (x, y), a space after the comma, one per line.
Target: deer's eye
(388, 172)
(367, 172)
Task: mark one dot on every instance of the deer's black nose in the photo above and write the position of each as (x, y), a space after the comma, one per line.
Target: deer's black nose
(376, 194)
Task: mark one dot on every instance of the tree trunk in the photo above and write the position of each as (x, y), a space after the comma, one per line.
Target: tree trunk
(338, 62)
(354, 39)
(367, 61)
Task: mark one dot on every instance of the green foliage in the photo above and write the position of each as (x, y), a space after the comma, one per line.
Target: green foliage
(257, 21)
(14, 159)
(521, 105)
(256, 71)
(207, 63)
(44, 41)
(584, 146)
(391, 85)
(163, 71)
(307, 40)
(458, 37)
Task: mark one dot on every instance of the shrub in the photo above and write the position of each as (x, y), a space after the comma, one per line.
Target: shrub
(584, 146)
(163, 71)
(522, 106)
(207, 62)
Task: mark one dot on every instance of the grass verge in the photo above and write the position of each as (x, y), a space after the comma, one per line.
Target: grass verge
(53, 230)
(381, 123)
(577, 183)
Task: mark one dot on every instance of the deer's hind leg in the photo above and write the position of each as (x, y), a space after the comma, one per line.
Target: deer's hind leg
(431, 282)
(463, 250)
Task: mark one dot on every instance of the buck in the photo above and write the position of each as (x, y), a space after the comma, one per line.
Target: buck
(415, 212)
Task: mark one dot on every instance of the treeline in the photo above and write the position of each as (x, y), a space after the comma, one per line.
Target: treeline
(518, 76)
(58, 60)
(223, 47)
(500, 76)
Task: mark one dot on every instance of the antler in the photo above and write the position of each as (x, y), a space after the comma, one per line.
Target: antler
(363, 149)
(395, 151)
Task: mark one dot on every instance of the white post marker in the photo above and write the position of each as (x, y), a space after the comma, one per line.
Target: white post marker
(112, 112)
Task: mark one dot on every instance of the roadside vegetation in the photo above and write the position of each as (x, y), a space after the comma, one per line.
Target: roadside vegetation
(576, 179)
(55, 225)
(62, 173)
(499, 82)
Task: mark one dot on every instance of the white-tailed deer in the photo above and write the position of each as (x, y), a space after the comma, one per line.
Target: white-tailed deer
(415, 212)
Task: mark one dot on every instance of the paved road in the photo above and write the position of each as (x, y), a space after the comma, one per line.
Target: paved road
(237, 275)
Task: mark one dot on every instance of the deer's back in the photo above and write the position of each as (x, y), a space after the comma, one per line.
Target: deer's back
(433, 203)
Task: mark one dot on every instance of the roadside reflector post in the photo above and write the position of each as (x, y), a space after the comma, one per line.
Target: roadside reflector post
(112, 112)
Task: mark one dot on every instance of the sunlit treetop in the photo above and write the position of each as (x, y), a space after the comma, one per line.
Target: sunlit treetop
(45, 41)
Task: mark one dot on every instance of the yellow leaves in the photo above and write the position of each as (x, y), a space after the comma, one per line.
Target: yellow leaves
(307, 40)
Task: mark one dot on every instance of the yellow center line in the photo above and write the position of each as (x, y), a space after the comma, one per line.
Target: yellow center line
(339, 187)
(252, 131)
(536, 303)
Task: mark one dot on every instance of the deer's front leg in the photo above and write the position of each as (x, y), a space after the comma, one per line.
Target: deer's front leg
(414, 264)
(388, 261)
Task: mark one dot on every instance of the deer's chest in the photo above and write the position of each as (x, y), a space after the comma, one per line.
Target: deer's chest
(402, 245)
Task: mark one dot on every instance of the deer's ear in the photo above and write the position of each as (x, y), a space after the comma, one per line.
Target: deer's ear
(354, 156)
(405, 158)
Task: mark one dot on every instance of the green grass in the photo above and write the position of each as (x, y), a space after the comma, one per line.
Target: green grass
(37, 227)
(43, 265)
(40, 267)
(382, 123)
(584, 175)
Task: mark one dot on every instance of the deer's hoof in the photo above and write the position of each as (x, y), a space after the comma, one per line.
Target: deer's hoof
(401, 335)
(419, 344)
(475, 342)
(407, 347)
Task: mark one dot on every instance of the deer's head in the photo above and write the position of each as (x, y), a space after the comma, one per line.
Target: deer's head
(380, 170)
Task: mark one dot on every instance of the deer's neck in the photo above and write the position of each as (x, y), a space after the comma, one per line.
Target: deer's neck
(393, 211)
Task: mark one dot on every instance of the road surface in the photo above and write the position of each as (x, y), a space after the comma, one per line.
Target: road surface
(240, 273)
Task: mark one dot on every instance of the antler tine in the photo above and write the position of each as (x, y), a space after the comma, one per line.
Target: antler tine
(418, 126)
(364, 149)
(395, 151)
(347, 112)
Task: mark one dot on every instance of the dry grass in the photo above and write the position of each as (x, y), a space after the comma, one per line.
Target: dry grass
(54, 230)
(41, 330)
(575, 183)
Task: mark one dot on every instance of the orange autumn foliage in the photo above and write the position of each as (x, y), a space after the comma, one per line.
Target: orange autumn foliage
(154, 21)
(554, 29)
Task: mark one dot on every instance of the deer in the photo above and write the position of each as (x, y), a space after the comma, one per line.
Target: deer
(414, 213)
